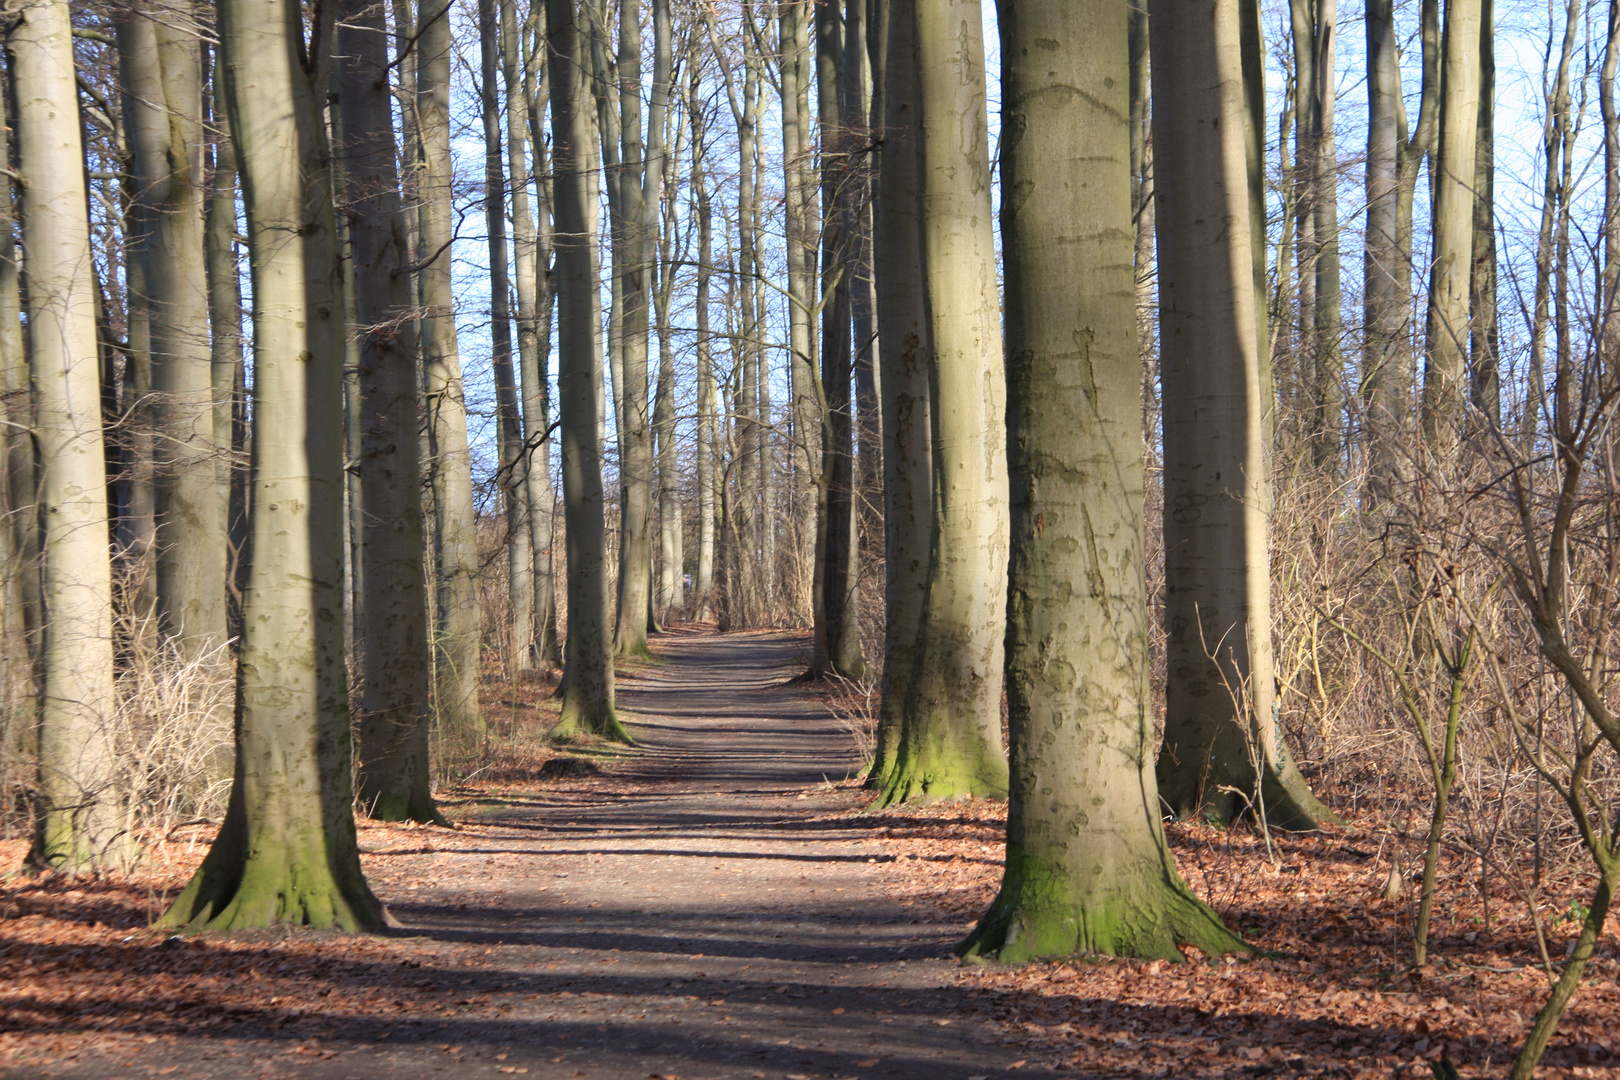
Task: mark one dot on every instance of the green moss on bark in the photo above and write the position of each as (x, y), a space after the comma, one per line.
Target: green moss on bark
(1045, 911)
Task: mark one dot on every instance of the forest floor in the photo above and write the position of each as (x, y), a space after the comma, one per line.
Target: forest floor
(715, 904)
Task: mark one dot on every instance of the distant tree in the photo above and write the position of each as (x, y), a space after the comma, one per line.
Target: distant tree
(587, 702)
(1222, 752)
(395, 664)
(455, 541)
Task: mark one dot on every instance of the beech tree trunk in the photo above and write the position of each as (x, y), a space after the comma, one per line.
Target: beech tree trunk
(163, 65)
(286, 852)
(396, 663)
(1485, 346)
(703, 600)
(509, 417)
(1452, 225)
(587, 701)
(950, 738)
(903, 352)
(836, 589)
(455, 540)
(804, 411)
(74, 821)
(1087, 869)
(1222, 753)
(528, 92)
(19, 535)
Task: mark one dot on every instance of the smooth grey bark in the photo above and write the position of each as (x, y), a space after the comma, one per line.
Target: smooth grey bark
(509, 416)
(162, 63)
(703, 600)
(639, 182)
(950, 737)
(396, 663)
(1485, 344)
(286, 852)
(587, 689)
(671, 594)
(903, 353)
(74, 820)
(1386, 273)
(1316, 169)
(1446, 330)
(1142, 220)
(136, 495)
(526, 96)
(800, 240)
(1087, 869)
(19, 535)
(836, 586)
(455, 542)
(225, 343)
(1222, 751)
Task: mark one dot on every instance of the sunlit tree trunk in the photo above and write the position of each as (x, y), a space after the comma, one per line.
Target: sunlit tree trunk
(836, 589)
(587, 703)
(707, 481)
(1221, 745)
(640, 184)
(950, 738)
(799, 202)
(396, 662)
(286, 852)
(1315, 47)
(1142, 219)
(1485, 346)
(1087, 868)
(528, 93)
(162, 62)
(509, 417)
(903, 352)
(74, 821)
(1452, 224)
(19, 535)
(455, 540)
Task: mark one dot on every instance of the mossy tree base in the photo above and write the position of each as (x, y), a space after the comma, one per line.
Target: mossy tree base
(1048, 911)
(932, 766)
(278, 871)
(1219, 783)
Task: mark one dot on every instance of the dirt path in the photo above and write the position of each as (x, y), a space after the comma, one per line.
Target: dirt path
(698, 912)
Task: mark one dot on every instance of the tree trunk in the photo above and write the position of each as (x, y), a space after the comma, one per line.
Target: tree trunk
(513, 459)
(74, 821)
(1386, 271)
(1088, 870)
(903, 352)
(455, 539)
(640, 182)
(799, 202)
(19, 536)
(527, 96)
(950, 740)
(286, 852)
(163, 66)
(396, 663)
(1222, 752)
(1315, 46)
(703, 600)
(1452, 228)
(837, 586)
(1485, 347)
(1142, 221)
(225, 330)
(587, 702)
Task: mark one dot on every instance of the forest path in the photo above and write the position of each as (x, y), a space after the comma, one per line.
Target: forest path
(706, 908)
